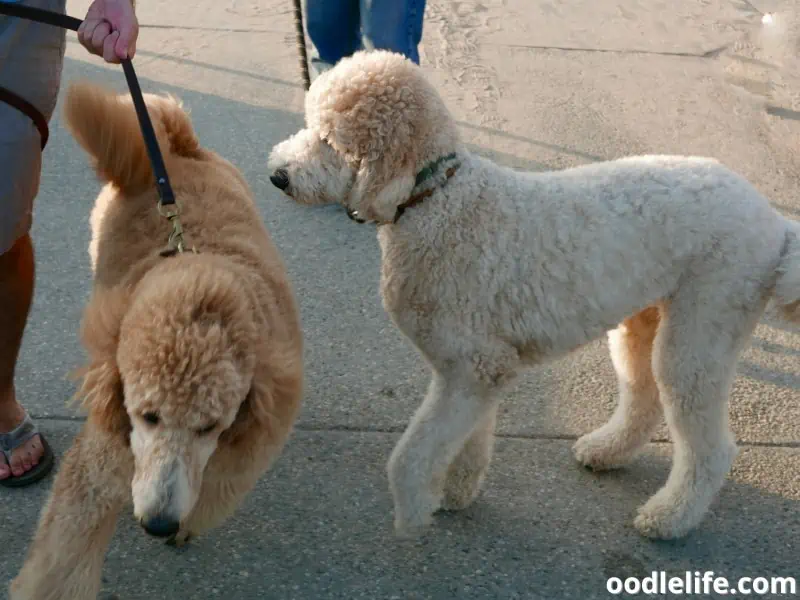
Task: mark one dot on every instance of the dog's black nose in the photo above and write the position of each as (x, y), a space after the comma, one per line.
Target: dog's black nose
(160, 526)
(280, 179)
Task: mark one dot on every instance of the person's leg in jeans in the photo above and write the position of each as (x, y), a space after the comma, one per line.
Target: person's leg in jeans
(334, 29)
(393, 25)
(31, 58)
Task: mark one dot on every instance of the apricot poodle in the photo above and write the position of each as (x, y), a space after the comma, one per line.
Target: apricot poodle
(489, 270)
(195, 365)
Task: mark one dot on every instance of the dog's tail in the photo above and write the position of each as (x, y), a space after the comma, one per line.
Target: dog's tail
(787, 288)
(104, 123)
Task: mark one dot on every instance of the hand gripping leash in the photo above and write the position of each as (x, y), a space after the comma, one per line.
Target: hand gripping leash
(168, 206)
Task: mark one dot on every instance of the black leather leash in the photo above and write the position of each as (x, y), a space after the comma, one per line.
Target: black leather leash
(165, 193)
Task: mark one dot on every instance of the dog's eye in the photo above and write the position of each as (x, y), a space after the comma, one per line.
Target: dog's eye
(151, 417)
(207, 429)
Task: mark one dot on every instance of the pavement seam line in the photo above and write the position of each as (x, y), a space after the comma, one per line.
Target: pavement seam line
(399, 430)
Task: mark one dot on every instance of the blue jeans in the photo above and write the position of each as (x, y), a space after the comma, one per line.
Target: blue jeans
(338, 28)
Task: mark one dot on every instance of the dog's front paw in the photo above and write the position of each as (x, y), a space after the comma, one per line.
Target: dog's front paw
(411, 528)
(413, 517)
(180, 539)
(456, 499)
(461, 489)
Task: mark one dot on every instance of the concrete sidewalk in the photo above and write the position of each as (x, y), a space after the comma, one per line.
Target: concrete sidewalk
(535, 84)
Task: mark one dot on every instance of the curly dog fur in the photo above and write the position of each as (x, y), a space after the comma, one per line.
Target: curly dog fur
(195, 360)
(499, 270)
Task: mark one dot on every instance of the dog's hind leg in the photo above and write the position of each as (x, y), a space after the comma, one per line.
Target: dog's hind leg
(66, 555)
(455, 405)
(695, 355)
(466, 473)
(638, 411)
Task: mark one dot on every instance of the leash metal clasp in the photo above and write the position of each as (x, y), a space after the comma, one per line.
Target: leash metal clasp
(175, 243)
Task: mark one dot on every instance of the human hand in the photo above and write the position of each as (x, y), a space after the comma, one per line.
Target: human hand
(110, 29)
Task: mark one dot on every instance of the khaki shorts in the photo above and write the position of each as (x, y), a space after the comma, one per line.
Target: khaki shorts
(31, 59)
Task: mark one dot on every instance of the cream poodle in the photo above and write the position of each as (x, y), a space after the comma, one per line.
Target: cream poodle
(488, 270)
(195, 359)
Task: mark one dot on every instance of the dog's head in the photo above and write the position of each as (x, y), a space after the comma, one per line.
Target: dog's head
(172, 368)
(372, 122)
(186, 364)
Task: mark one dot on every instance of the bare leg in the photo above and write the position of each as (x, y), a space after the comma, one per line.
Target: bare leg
(638, 411)
(418, 466)
(465, 475)
(66, 555)
(16, 294)
(32, 59)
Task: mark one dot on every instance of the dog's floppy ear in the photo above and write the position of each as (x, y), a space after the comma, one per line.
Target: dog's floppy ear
(101, 390)
(380, 187)
(271, 402)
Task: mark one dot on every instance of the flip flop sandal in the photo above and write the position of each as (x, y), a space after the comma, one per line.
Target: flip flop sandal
(13, 440)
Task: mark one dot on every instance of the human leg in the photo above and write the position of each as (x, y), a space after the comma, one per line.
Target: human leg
(31, 56)
(394, 25)
(333, 26)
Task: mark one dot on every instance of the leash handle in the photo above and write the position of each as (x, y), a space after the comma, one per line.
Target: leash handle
(165, 193)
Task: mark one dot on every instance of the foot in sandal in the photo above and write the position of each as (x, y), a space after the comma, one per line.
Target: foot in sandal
(25, 455)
